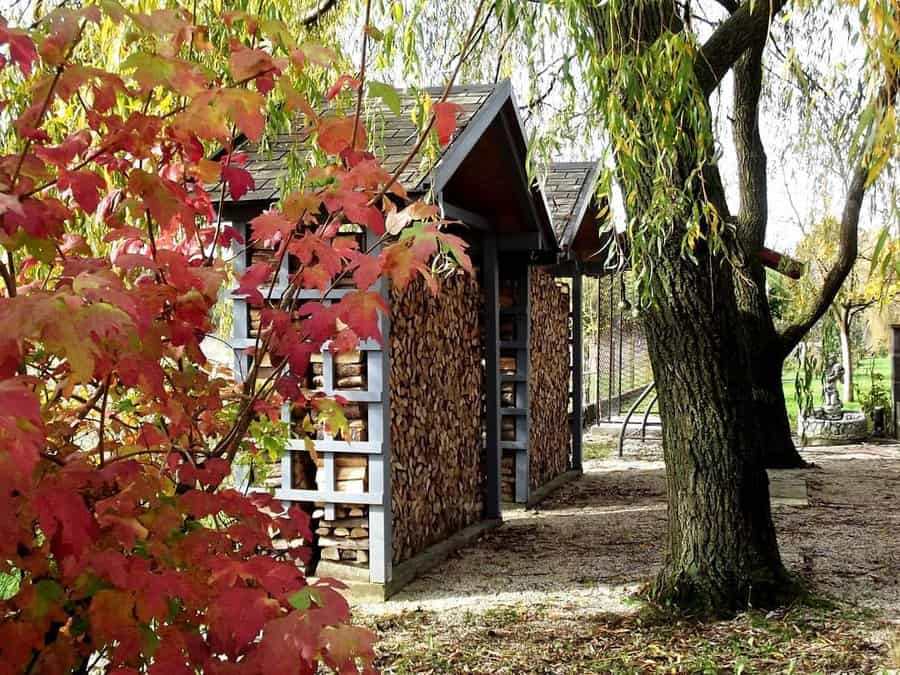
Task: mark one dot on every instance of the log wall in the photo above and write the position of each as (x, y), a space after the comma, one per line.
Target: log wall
(436, 383)
(550, 434)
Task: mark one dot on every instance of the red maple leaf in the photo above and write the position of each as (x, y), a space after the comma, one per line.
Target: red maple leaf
(271, 226)
(238, 180)
(21, 50)
(86, 187)
(236, 618)
(251, 280)
(247, 63)
(336, 133)
(335, 89)
(359, 310)
(445, 114)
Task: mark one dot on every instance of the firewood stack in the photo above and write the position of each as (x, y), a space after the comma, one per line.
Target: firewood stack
(550, 435)
(346, 538)
(508, 477)
(436, 383)
(511, 296)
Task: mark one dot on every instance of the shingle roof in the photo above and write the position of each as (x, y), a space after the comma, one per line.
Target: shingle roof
(392, 135)
(568, 188)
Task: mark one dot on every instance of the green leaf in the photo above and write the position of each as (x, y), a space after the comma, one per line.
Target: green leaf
(304, 599)
(48, 593)
(388, 95)
(876, 252)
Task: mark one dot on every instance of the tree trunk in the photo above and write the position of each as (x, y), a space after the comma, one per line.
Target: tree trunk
(766, 368)
(722, 553)
(779, 451)
(766, 349)
(846, 356)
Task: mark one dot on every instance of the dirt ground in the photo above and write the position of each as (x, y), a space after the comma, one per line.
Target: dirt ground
(586, 549)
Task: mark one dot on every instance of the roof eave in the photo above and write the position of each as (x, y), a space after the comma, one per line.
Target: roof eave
(585, 196)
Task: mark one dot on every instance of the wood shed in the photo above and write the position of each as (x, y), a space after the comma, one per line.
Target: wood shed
(469, 402)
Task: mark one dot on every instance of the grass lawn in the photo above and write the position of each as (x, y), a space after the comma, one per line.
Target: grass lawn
(862, 380)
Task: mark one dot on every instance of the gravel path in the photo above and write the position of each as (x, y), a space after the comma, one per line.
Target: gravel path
(598, 539)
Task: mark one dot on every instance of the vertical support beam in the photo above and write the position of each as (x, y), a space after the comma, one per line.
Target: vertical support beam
(328, 469)
(239, 327)
(381, 551)
(895, 376)
(523, 366)
(577, 370)
(287, 459)
(597, 344)
(612, 333)
(492, 376)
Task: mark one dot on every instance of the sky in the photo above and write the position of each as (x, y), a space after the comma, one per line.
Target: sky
(797, 193)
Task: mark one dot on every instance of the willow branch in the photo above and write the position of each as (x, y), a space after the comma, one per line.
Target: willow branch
(463, 53)
(362, 76)
(849, 235)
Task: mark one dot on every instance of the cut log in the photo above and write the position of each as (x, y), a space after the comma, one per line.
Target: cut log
(437, 384)
(549, 432)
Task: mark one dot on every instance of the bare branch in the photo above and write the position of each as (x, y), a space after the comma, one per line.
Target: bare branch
(849, 234)
(315, 15)
(730, 5)
(847, 253)
(747, 27)
(751, 154)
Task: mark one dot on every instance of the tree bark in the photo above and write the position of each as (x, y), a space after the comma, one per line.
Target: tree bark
(721, 553)
(846, 357)
(766, 371)
(759, 334)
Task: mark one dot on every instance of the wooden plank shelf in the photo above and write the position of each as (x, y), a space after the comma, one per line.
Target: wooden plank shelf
(329, 445)
(514, 344)
(518, 412)
(513, 445)
(515, 385)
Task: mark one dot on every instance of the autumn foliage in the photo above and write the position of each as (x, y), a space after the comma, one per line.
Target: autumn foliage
(128, 550)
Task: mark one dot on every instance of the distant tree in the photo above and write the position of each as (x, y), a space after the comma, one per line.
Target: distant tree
(866, 286)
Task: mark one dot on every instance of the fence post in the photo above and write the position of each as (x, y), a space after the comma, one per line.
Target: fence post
(577, 352)
(895, 377)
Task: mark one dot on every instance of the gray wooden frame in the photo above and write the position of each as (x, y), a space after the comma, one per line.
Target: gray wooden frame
(492, 506)
(577, 353)
(376, 396)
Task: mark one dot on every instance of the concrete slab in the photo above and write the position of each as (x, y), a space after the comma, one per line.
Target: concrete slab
(361, 591)
(787, 487)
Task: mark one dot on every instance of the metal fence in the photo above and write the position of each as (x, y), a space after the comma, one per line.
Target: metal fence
(616, 360)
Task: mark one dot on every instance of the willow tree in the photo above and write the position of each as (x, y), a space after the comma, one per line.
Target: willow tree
(716, 355)
(646, 76)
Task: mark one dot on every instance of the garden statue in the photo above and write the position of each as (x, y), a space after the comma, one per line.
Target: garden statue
(831, 400)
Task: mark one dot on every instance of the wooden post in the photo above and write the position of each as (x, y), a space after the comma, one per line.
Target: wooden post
(492, 376)
(895, 377)
(577, 370)
(523, 367)
(381, 552)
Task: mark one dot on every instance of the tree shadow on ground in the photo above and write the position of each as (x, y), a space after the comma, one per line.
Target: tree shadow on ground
(598, 539)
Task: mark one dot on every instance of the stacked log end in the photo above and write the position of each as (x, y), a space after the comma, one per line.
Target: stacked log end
(510, 296)
(549, 436)
(436, 382)
(345, 538)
